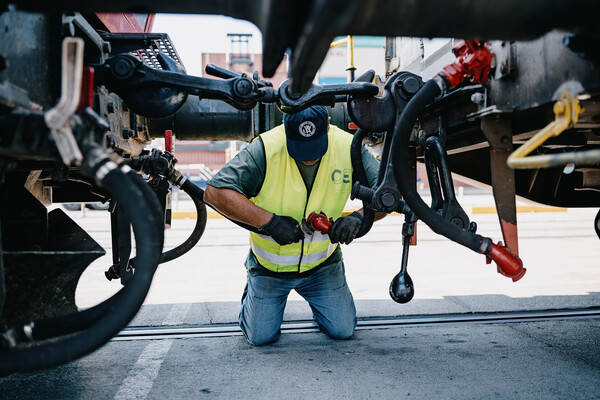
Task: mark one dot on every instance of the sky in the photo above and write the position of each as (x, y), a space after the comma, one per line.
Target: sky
(193, 35)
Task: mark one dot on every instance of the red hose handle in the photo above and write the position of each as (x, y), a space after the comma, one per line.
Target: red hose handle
(319, 222)
(508, 264)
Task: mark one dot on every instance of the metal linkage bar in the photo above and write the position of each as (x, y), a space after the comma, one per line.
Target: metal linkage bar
(566, 112)
(156, 93)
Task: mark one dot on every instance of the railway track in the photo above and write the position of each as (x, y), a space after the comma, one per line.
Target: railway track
(175, 332)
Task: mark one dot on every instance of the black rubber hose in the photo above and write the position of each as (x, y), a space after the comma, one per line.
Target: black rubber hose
(58, 326)
(48, 328)
(399, 152)
(66, 324)
(190, 242)
(361, 176)
(2, 284)
(196, 192)
(193, 190)
(142, 207)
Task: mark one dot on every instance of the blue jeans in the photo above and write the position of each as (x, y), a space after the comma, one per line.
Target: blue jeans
(327, 294)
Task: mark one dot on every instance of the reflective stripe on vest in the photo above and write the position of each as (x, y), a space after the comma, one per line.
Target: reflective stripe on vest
(284, 193)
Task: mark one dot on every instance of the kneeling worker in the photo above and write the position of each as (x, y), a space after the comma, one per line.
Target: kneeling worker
(277, 180)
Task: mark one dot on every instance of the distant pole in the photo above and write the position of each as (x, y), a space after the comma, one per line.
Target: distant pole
(351, 69)
(349, 41)
(391, 61)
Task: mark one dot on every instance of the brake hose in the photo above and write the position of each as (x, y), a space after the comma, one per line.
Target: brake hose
(361, 177)
(2, 284)
(57, 326)
(143, 209)
(399, 152)
(190, 242)
(508, 264)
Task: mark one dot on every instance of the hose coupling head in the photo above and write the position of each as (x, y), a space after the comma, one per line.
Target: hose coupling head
(508, 265)
(97, 162)
(361, 192)
(319, 222)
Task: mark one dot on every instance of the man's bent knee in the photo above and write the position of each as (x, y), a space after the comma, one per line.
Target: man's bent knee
(340, 332)
(342, 335)
(258, 337)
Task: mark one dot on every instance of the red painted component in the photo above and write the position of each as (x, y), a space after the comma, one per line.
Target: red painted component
(149, 23)
(352, 125)
(86, 97)
(319, 222)
(508, 264)
(454, 73)
(126, 22)
(169, 141)
(473, 62)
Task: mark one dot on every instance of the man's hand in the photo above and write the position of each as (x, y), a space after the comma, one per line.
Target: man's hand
(344, 229)
(284, 230)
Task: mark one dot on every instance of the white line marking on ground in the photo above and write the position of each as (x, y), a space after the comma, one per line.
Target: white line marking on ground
(177, 314)
(140, 379)
(139, 382)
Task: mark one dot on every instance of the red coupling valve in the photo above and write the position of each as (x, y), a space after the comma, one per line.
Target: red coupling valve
(508, 264)
(473, 62)
(319, 222)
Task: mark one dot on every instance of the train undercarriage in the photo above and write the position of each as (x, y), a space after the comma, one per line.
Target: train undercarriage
(80, 103)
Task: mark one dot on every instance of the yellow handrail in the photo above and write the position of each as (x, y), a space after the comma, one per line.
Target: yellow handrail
(339, 43)
(349, 40)
(566, 115)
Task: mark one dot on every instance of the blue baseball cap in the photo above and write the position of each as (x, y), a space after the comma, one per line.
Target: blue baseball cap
(306, 133)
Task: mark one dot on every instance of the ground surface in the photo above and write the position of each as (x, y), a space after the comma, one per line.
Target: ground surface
(533, 360)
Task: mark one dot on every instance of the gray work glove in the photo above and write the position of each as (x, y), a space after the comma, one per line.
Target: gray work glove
(344, 229)
(283, 229)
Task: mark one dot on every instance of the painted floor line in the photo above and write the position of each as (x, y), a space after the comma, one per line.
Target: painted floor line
(139, 381)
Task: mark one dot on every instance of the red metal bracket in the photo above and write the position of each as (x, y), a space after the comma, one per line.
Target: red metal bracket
(473, 62)
(508, 265)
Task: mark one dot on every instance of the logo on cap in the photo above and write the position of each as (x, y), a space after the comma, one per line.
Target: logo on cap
(307, 128)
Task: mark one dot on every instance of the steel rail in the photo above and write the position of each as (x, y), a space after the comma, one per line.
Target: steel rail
(171, 332)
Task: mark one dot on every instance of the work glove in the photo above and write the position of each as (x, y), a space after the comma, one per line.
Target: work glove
(344, 229)
(283, 229)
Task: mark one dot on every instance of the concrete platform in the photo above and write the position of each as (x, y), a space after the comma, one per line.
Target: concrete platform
(560, 251)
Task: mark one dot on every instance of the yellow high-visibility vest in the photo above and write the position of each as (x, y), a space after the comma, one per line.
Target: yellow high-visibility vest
(284, 193)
